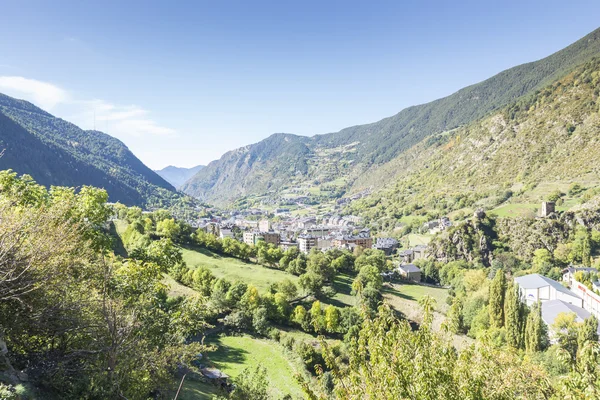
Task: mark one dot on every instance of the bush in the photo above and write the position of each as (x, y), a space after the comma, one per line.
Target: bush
(288, 341)
(310, 356)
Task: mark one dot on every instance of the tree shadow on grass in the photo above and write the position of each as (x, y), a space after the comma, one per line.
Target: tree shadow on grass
(396, 292)
(226, 354)
(334, 302)
(202, 250)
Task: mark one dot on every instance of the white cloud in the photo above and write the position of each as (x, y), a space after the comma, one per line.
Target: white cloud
(121, 121)
(45, 95)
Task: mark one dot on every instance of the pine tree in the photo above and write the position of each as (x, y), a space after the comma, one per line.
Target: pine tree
(496, 306)
(513, 317)
(535, 330)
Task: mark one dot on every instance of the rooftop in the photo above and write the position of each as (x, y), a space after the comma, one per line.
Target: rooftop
(534, 281)
(551, 309)
(409, 268)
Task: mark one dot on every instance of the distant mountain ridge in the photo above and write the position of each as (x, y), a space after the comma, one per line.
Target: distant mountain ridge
(519, 154)
(356, 152)
(56, 152)
(177, 176)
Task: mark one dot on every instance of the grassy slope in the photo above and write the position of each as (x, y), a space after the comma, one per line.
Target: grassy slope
(543, 143)
(196, 390)
(234, 269)
(235, 353)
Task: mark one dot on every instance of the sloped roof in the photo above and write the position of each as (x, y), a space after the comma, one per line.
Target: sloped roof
(410, 268)
(213, 373)
(534, 281)
(551, 309)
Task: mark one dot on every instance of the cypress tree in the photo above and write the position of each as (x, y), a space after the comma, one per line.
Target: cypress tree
(513, 317)
(455, 316)
(535, 330)
(496, 306)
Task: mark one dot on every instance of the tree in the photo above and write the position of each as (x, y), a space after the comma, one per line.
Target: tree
(168, 228)
(332, 319)
(260, 322)
(588, 332)
(496, 304)
(301, 317)
(566, 331)
(536, 335)
(368, 277)
(316, 316)
(251, 384)
(311, 282)
(513, 317)
(542, 261)
(455, 316)
(287, 288)
(390, 360)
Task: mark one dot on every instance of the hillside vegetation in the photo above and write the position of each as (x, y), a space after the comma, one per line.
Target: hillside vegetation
(356, 153)
(56, 152)
(548, 139)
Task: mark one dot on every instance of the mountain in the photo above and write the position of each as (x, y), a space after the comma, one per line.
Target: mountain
(520, 154)
(177, 176)
(56, 152)
(345, 160)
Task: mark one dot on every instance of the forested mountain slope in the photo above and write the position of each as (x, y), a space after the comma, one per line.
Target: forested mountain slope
(56, 152)
(257, 168)
(270, 166)
(549, 138)
(177, 176)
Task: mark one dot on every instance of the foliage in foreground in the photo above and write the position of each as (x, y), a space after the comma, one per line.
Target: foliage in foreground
(391, 361)
(81, 322)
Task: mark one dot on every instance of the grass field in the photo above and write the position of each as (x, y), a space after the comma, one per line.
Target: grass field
(234, 269)
(196, 390)
(343, 286)
(517, 210)
(236, 353)
(177, 289)
(414, 293)
(415, 239)
(405, 297)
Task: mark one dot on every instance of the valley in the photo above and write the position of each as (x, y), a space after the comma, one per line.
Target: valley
(449, 251)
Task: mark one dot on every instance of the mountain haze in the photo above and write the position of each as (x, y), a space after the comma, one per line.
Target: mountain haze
(56, 152)
(356, 151)
(177, 176)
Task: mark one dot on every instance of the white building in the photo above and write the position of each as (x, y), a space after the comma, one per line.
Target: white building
(553, 308)
(225, 233)
(591, 301)
(535, 287)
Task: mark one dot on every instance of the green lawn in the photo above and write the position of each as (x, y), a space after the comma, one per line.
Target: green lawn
(236, 353)
(234, 269)
(196, 390)
(415, 239)
(343, 286)
(177, 289)
(414, 293)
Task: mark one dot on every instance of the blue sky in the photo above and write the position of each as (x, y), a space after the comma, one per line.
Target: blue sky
(183, 82)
